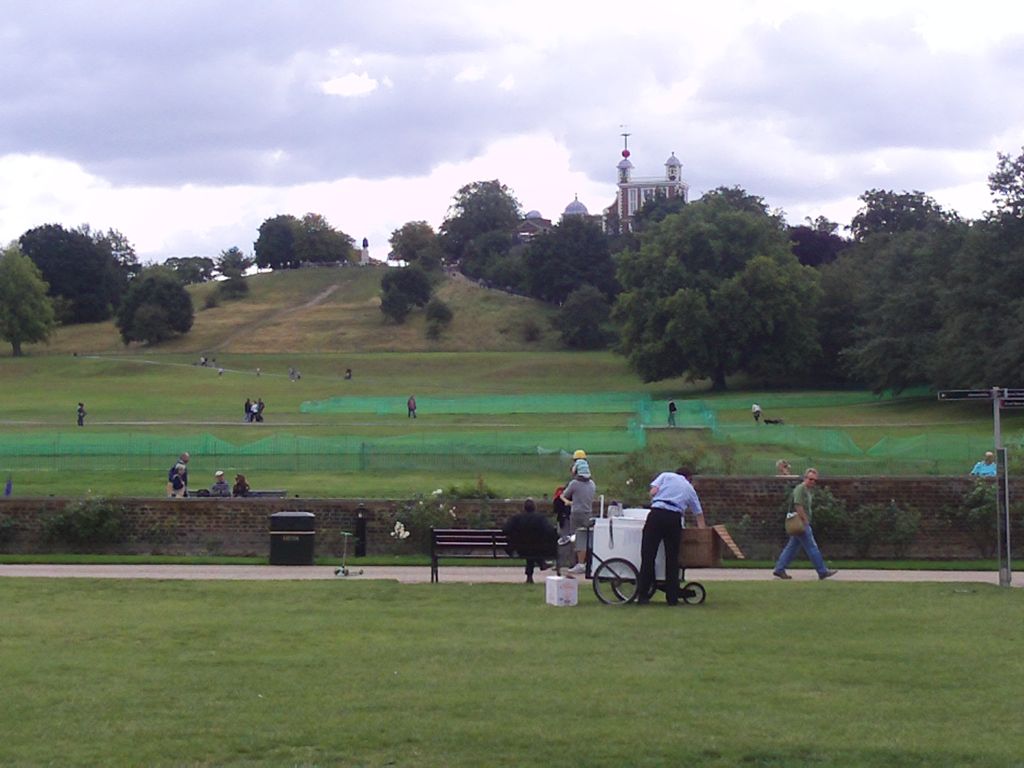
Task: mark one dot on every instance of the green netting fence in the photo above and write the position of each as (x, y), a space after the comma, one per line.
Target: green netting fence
(299, 453)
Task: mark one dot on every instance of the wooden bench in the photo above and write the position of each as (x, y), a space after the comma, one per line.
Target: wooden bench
(465, 542)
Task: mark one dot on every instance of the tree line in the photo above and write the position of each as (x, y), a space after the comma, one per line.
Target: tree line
(55, 276)
(908, 293)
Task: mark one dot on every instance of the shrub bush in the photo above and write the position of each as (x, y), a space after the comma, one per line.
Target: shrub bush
(90, 522)
(865, 525)
(902, 526)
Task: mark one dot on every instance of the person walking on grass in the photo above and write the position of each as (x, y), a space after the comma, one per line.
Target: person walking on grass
(81, 414)
(800, 507)
(410, 404)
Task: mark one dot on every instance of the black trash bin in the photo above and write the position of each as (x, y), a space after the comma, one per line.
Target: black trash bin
(292, 538)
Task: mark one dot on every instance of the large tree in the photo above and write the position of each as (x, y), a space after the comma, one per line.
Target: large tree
(885, 212)
(816, 242)
(285, 242)
(906, 245)
(416, 242)
(478, 209)
(275, 247)
(715, 290)
(582, 320)
(320, 243)
(156, 308)
(80, 271)
(572, 254)
(26, 312)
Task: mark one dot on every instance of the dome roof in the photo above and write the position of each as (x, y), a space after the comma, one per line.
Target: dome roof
(624, 164)
(576, 208)
(673, 161)
(534, 215)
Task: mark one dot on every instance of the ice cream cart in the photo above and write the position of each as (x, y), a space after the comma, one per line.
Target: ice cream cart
(613, 557)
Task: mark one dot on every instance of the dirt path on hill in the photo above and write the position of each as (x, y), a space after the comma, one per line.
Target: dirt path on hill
(281, 313)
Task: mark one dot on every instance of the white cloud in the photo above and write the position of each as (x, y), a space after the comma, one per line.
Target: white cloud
(185, 126)
(350, 85)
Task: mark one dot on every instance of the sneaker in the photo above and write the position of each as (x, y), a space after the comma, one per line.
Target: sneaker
(827, 574)
(578, 568)
(783, 575)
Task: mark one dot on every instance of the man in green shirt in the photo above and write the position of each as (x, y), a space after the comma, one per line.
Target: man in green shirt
(803, 497)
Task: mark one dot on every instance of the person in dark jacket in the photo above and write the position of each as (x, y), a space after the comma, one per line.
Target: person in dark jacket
(532, 536)
(241, 487)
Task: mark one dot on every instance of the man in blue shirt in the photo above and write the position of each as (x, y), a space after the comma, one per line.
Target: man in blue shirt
(986, 468)
(671, 496)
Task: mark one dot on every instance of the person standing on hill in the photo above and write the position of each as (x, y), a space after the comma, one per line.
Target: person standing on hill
(803, 496)
(81, 414)
(672, 413)
(755, 411)
(410, 404)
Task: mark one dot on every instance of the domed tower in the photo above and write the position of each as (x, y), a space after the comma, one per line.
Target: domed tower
(673, 168)
(575, 208)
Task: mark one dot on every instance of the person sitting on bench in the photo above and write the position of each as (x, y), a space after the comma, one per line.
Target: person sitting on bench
(532, 536)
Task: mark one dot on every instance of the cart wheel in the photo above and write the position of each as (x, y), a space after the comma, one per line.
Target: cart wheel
(615, 581)
(692, 592)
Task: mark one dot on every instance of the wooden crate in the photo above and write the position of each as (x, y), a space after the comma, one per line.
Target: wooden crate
(702, 547)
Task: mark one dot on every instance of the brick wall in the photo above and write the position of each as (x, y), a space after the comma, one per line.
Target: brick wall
(749, 506)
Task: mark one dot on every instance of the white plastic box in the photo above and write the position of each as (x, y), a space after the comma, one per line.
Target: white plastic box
(562, 591)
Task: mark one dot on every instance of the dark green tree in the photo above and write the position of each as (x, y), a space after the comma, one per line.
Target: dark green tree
(574, 253)
(715, 290)
(439, 316)
(191, 270)
(817, 243)
(416, 242)
(26, 312)
(1007, 186)
(888, 213)
(276, 245)
(478, 209)
(233, 263)
(156, 308)
(401, 290)
(583, 319)
(320, 243)
(905, 246)
(78, 270)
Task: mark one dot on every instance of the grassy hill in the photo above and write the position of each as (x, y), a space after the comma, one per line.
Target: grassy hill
(330, 311)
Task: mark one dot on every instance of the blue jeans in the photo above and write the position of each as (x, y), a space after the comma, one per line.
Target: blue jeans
(805, 540)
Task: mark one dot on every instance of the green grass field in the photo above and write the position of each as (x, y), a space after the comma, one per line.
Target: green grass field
(380, 674)
(153, 403)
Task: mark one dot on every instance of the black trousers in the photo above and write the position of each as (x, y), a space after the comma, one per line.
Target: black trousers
(662, 526)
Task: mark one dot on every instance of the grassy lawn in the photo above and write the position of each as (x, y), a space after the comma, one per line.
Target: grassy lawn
(325, 321)
(379, 674)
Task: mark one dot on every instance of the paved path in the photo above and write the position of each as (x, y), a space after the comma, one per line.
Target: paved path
(450, 574)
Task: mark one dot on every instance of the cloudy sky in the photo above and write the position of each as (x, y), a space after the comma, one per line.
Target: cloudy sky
(186, 123)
